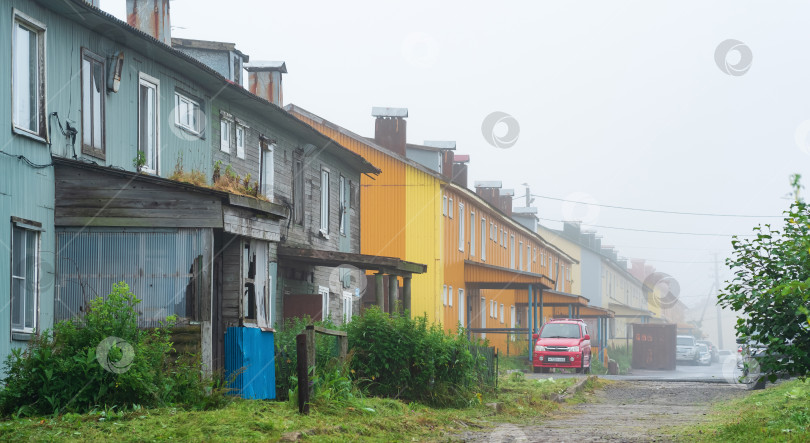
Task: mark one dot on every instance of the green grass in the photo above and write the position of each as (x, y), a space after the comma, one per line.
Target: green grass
(515, 362)
(778, 414)
(377, 419)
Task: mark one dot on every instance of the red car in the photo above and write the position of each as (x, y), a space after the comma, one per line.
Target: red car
(562, 343)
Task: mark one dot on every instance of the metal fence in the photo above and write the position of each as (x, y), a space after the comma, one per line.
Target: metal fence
(490, 354)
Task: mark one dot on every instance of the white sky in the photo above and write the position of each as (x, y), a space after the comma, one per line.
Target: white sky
(620, 102)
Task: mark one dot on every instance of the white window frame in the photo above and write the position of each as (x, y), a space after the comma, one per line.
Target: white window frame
(512, 250)
(502, 317)
(461, 306)
(91, 112)
(343, 206)
(528, 258)
(324, 291)
(492, 308)
(512, 321)
(225, 126)
(145, 80)
(324, 229)
(450, 295)
(268, 171)
(472, 233)
(187, 122)
(40, 103)
(348, 307)
(483, 317)
(520, 255)
(461, 226)
(239, 138)
(444, 295)
(483, 239)
(21, 299)
(450, 208)
(444, 205)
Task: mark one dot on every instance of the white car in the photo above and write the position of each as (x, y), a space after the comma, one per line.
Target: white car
(704, 355)
(686, 349)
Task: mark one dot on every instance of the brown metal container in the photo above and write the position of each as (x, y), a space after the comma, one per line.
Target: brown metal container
(654, 346)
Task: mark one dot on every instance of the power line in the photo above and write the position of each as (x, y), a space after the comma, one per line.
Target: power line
(654, 231)
(703, 214)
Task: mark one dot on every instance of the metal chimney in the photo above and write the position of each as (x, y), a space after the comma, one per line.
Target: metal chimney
(390, 128)
(151, 17)
(264, 80)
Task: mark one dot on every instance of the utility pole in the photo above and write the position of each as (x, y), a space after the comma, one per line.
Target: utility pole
(719, 311)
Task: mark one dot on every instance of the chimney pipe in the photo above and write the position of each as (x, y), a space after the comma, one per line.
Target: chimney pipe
(264, 80)
(150, 17)
(460, 169)
(390, 128)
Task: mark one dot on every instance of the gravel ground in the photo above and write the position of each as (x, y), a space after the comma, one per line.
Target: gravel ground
(624, 411)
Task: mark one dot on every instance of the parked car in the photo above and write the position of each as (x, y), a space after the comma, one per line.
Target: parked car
(562, 343)
(686, 349)
(713, 349)
(704, 354)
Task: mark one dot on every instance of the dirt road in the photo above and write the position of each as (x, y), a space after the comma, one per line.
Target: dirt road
(624, 411)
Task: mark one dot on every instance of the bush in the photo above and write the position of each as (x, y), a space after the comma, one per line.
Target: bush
(396, 356)
(286, 356)
(101, 360)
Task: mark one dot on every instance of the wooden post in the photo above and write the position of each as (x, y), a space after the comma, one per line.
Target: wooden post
(393, 289)
(379, 290)
(343, 347)
(303, 373)
(406, 293)
(310, 331)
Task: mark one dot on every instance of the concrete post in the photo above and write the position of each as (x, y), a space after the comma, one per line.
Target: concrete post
(393, 289)
(379, 290)
(406, 292)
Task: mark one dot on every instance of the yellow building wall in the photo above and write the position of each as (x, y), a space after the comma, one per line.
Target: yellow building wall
(423, 241)
(570, 248)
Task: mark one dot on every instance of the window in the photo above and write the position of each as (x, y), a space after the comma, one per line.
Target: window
(520, 255)
(512, 249)
(325, 202)
(348, 308)
(512, 322)
(483, 239)
(502, 319)
(225, 135)
(93, 81)
(324, 302)
(188, 114)
(504, 234)
(298, 186)
(24, 278)
(343, 203)
(492, 307)
(450, 208)
(491, 231)
(528, 258)
(28, 77)
(148, 122)
(240, 141)
(483, 316)
(461, 226)
(472, 232)
(450, 296)
(534, 257)
(461, 306)
(444, 295)
(444, 205)
(267, 169)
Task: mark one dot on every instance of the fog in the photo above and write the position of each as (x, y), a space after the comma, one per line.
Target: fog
(619, 103)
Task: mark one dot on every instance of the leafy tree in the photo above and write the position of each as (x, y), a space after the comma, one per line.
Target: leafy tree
(771, 289)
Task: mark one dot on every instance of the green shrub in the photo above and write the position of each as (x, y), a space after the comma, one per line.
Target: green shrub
(286, 358)
(102, 360)
(396, 356)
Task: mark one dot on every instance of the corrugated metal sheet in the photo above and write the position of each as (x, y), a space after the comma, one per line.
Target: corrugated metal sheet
(156, 264)
(250, 360)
